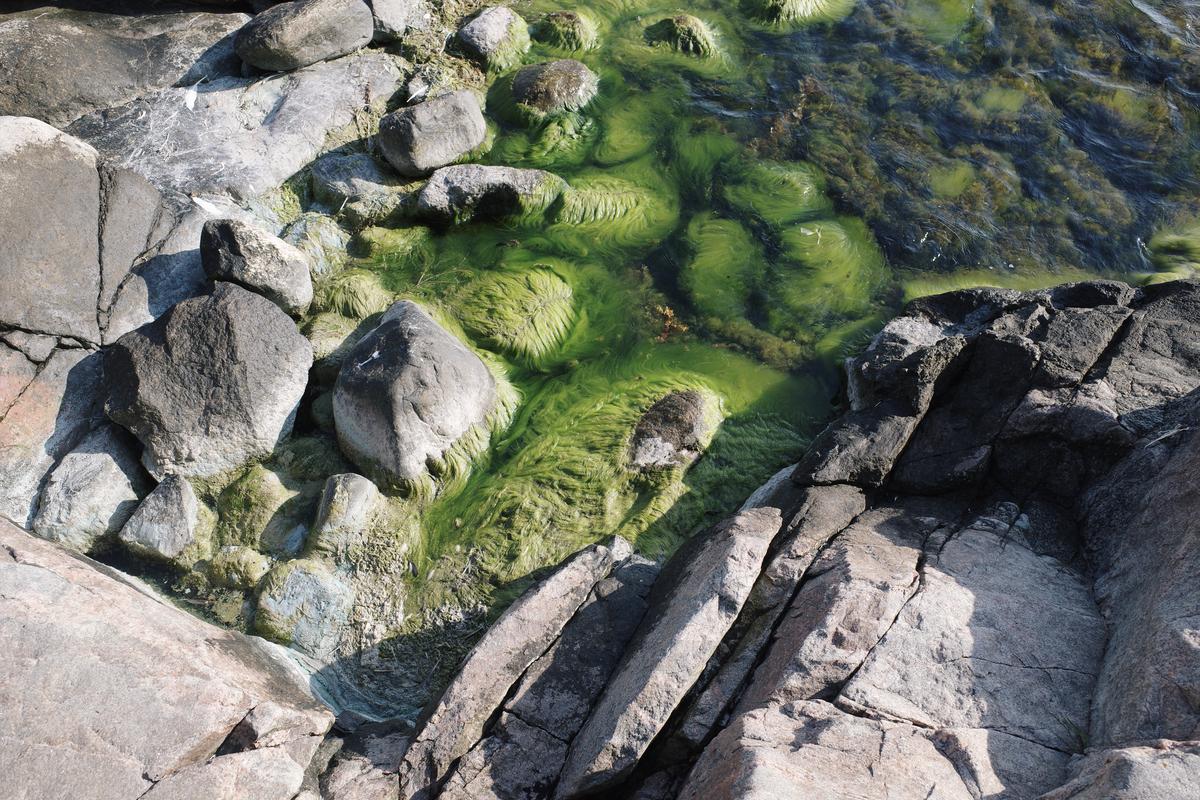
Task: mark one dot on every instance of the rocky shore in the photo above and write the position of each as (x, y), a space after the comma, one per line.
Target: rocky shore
(977, 582)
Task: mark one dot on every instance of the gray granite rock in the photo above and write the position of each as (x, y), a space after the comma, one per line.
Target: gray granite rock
(210, 385)
(418, 139)
(497, 36)
(474, 191)
(302, 32)
(167, 523)
(231, 250)
(674, 431)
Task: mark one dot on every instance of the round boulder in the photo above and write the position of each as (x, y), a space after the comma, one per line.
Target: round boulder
(293, 35)
(674, 431)
(497, 36)
(563, 85)
(210, 385)
(418, 139)
(406, 393)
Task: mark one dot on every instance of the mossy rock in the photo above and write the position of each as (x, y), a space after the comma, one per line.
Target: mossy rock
(237, 567)
(799, 12)
(568, 30)
(525, 315)
(555, 86)
(779, 193)
(684, 33)
(305, 604)
(258, 510)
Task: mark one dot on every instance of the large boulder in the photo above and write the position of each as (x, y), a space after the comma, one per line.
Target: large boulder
(694, 603)
(519, 637)
(74, 62)
(54, 412)
(474, 191)
(418, 139)
(563, 85)
(50, 224)
(231, 250)
(240, 136)
(92, 491)
(305, 604)
(210, 385)
(497, 36)
(302, 32)
(113, 695)
(406, 393)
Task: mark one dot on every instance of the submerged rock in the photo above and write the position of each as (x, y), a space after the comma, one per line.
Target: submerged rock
(210, 385)
(563, 85)
(674, 431)
(684, 33)
(302, 32)
(477, 192)
(569, 30)
(407, 393)
(497, 36)
(231, 250)
(418, 139)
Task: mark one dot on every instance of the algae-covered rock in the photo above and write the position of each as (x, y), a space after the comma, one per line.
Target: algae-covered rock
(259, 510)
(407, 393)
(348, 505)
(237, 567)
(320, 238)
(674, 431)
(170, 524)
(555, 86)
(568, 30)
(526, 314)
(305, 604)
(418, 139)
(497, 36)
(801, 11)
(685, 34)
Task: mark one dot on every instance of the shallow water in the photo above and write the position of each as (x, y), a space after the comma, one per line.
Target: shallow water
(739, 219)
(779, 197)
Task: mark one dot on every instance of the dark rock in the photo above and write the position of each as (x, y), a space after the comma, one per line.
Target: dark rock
(302, 32)
(476, 192)
(407, 393)
(418, 139)
(231, 250)
(563, 85)
(674, 431)
(210, 385)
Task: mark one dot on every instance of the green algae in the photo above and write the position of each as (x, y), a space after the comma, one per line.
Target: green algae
(952, 180)
(725, 267)
(779, 193)
(525, 315)
(800, 12)
(573, 31)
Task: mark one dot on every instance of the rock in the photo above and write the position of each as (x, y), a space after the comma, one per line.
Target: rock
(210, 385)
(365, 767)
(266, 774)
(1162, 772)
(56, 410)
(418, 139)
(473, 191)
(93, 491)
(168, 522)
(266, 510)
(134, 222)
(813, 749)
(237, 567)
(302, 32)
(348, 504)
(568, 30)
(242, 136)
(408, 392)
(497, 36)
(996, 637)
(685, 34)
(522, 633)
(523, 752)
(231, 250)
(563, 85)
(321, 239)
(339, 179)
(857, 586)
(50, 262)
(694, 603)
(36, 347)
(674, 431)
(16, 373)
(72, 62)
(154, 691)
(304, 604)
(393, 17)
(1143, 548)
